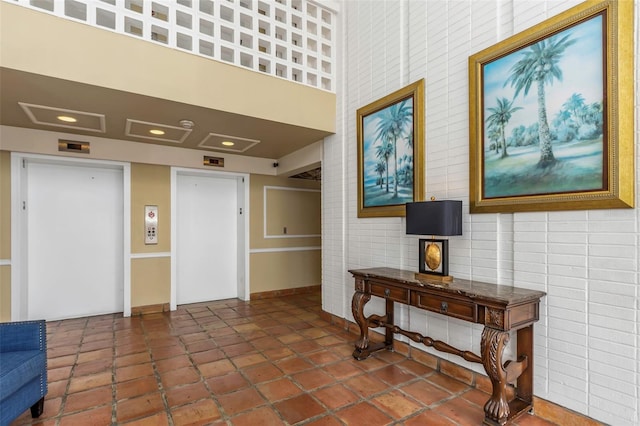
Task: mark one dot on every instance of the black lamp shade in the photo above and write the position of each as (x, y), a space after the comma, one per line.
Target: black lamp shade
(434, 218)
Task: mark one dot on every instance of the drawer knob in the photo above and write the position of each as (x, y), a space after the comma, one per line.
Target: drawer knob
(444, 306)
(387, 292)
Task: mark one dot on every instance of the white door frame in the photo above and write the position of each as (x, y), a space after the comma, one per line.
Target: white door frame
(243, 227)
(19, 226)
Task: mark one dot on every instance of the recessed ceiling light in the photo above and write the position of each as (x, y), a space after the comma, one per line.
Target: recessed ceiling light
(228, 143)
(66, 119)
(156, 132)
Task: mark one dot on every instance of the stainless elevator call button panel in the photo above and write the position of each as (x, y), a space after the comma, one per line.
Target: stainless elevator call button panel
(151, 224)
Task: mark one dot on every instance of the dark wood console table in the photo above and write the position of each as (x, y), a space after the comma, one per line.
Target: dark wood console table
(499, 308)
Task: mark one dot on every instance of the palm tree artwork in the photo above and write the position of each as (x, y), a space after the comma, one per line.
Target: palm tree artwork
(388, 150)
(560, 76)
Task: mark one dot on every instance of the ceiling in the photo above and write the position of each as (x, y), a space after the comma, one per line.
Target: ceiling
(34, 101)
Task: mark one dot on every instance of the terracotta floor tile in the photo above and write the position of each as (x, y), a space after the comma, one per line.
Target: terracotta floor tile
(130, 372)
(95, 416)
(179, 377)
(186, 394)
(203, 412)
(200, 346)
(242, 400)
(343, 369)
(305, 346)
(476, 397)
(208, 356)
(529, 420)
(447, 383)
(216, 368)
(267, 342)
(227, 383)
(159, 419)
(224, 341)
(299, 408)
(174, 363)
(279, 389)
(248, 360)
(88, 399)
(238, 349)
(393, 375)
(425, 392)
(132, 348)
(57, 389)
(366, 385)
(329, 341)
(79, 384)
(396, 404)
(294, 365)
(142, 406)
(164, 352)
(327, 420)
(335, 396)
(62, 361)
(323, 357)
(364, 414)
(95, 355)
(290, 338)
(61, 351)
(429, 418)
(461, 411)
(262, 373)
(132, 359)
(93, 367)
(312, 379)
(264, 416)
(277, 353)
(60, 373)
(136, 387)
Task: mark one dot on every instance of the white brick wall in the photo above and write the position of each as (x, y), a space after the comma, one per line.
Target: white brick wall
(587, 342)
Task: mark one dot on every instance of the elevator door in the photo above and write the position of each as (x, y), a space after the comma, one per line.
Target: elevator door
(74, 240)
(207, 233)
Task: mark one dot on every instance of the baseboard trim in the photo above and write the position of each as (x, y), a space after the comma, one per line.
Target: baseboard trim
(544, 409)
(150, 309)
(285, 292)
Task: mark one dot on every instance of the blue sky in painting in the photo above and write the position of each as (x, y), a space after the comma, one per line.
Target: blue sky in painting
(370, 142)
(581, 67)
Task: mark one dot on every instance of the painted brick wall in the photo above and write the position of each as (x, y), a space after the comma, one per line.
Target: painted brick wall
(587, 342)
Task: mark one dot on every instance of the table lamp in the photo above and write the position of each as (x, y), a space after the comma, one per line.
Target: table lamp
(443, 218)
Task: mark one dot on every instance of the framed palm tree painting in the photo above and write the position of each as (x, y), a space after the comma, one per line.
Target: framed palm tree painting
(390, 152)
(551, 114)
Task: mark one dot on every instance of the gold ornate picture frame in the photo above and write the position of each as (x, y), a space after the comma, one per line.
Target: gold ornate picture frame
(551, 114)
(390, 152)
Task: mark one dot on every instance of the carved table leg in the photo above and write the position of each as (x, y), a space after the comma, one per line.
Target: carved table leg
(492, 345)
(357, 308)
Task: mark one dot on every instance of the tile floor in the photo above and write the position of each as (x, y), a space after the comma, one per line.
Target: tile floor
(264, 362)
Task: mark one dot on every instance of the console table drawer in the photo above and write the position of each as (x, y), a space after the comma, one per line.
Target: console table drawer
(389, 292)
(447, 306)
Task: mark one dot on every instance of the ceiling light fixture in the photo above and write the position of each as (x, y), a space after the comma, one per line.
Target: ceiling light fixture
(228, 143)
(156, 132)
(67, 119)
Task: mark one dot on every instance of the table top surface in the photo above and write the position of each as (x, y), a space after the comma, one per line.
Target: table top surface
(502, 294)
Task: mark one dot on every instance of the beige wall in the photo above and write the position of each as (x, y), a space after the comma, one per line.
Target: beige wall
(150, 185)
(288, 262)
(150, 281)
(150, 276)
(5, 235)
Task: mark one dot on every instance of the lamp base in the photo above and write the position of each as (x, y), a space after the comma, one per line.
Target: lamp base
(433, 277)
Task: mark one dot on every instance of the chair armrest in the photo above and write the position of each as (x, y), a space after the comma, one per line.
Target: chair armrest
(23, 336)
